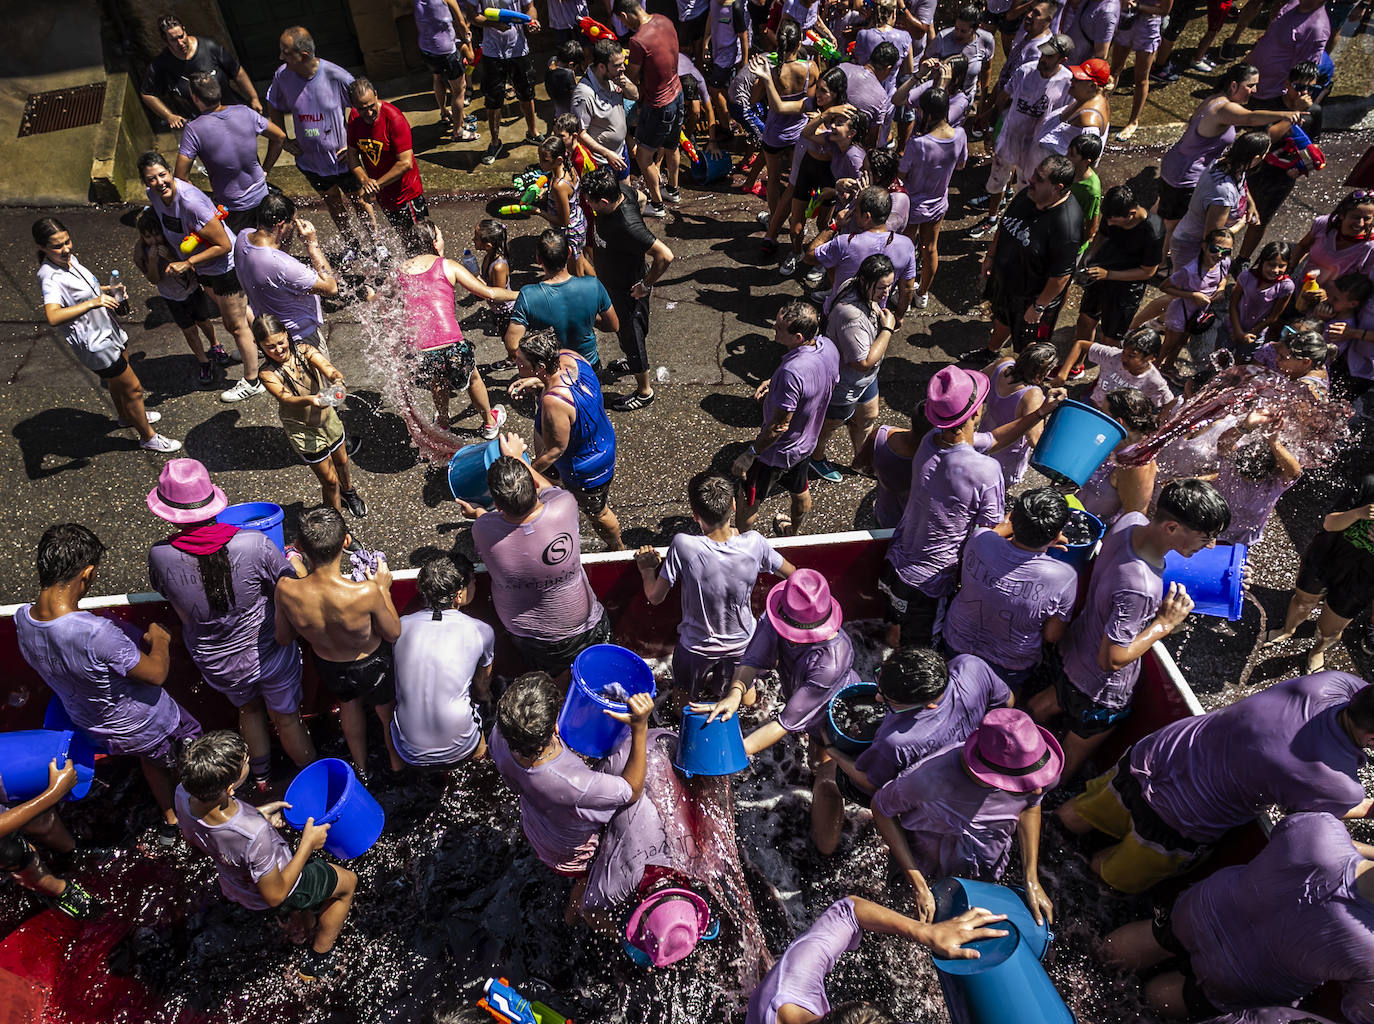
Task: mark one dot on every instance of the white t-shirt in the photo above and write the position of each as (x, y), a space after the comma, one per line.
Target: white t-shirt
(435, 722)
(1112, 376)
(95, 337)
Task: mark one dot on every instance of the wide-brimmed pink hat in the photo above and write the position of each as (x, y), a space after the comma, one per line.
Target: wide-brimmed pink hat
(1011, 752)
(667, 926)
(184, 494)
(802, 610)
(953, 395)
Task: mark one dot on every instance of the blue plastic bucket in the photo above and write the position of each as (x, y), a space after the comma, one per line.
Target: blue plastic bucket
(55, 718)
(1077, 439)
(1077, 555)
(1212, 577)
(1008, 972)
(467, 471)
(583, 723)
(711, 168)
(329, 792)
(837, 737)
(261, 516)
(25, 756)
(709, 748)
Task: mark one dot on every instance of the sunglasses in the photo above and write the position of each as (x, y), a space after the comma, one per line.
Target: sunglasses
(1217, 250)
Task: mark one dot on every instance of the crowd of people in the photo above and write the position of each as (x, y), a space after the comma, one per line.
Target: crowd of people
(1003, 672)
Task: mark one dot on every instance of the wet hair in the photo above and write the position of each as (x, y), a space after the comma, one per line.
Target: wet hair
(604, 51)
(884, 55)
(624, 7)
(913, 675)
(1241, 153)
(712, 498)
(1361, 708)
(541, 349)
(556, 149)
(273, 210)
(512, 486)
(1304, 71)
(1255, 460)
(552, 249)
(600, 185)
(300, 40)
(320, 534)
(838, 85)
(873, 269)
(1350, 202)
(570, 53)
(1118, 201)
(969, 14)
(858, 123)
(64, 552)
(148, 223)
(1038, 516)
(874, 201)
(212, 763)
(1364, 492)
(1089, 147)
(800, 317)
(1309, 345)
(1234, 75)
(168, 22)
(426, 234)
(263, 327)
(934, 106)
(1275, 250)
(1132, 409)
(493, 233)
(441, 579)
(360, 87)
(206, 88)
(1033, 366)
(1059, 171)
(857, 1013)
(789, 39)
(464, 1013)
(45, 229)
(958, 68)
(883, 165)
(151, 158)
(527, 713)
(569, 122)
(1195, 504)
(1356, 285)
(1145, 340)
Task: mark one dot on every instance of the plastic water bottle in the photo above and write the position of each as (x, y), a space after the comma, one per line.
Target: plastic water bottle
(119, 293)
(335, 394)
(469, 261)
(661, 375)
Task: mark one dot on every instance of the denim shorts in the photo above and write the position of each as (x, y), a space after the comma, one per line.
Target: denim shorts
(847, 398)
(659, 127)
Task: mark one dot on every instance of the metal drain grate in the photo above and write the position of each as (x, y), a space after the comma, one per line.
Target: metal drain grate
(62, 108)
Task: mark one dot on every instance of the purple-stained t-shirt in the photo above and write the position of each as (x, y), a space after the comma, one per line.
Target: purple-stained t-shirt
(850, 163)
(928, 164)
(1258, 299)
(1032, 97)
(718, 580)
(85, 660)
(954, 825)
(505, 40)
(961, 489)
(906, 738)
(1292, 37)
(810, 674)
(900, 216)
(844, 253)
(434, 27)
(802, 385)
(1310, 924)
(564, 804)
(1251, 502)
(978, 50)
(1123, 595)
(1090, 23)
(190, 211)
(537, 581)
(563, 14)
(318, 106)
(869, 39)
(1284, 745)
(894, 480)
(1112, 376)
(227, 143)
(725, 32)
(1270, 1015)
(278, 283)
(236, 650)
(922, 10)
(244, 849)
(1333, 262)
(866, 94)
(1213, 189)
(1192, 278)
(1182, 165)
(1006, 595)
(798, 977)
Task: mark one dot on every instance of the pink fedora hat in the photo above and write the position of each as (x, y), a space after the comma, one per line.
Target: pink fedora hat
(1011, 752)
(953, 395)
(802, 610)
(184, 494)
(667, 926)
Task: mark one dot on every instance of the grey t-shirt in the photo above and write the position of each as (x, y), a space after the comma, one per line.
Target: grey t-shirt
(601, 111)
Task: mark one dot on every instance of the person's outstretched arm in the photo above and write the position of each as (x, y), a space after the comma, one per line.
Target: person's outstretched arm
(945, 939)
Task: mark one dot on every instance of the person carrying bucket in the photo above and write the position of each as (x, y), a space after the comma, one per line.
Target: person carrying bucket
(256, 867)
(37, 819)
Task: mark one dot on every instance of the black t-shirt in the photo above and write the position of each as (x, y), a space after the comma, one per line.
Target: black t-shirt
(622, 240)
(170, 77)
(1131, 248)
(1034, 245)
(560, 82)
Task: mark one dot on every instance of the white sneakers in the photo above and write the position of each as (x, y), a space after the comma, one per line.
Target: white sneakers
(498, 413)
(245, 388)
(160, 444)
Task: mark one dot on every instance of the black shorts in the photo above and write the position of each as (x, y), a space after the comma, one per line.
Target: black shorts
(812, 175)
(325, 183)
(1007, 26)
(633, 334)
(1333, 566)
(447, 65)
(689, 32)
(223, 285)
(718, 77)
(691, 90)
(405, 218)
(1113, 304)
(114, 369)
(1174, 200)
(16, 853)
(497, 71)
(591, 500)
(237, 220)
(317, 883)
(1269, 187)
(763, 481)
(556, 656)
(196, 308)
(1087, 717)
(1011, 309)
(909, 608)
(850, 791)
(786, 147)
(1198, 1005)
(370, 679)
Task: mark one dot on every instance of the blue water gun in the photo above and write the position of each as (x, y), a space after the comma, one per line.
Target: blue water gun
(510, 1007)
(505, 17)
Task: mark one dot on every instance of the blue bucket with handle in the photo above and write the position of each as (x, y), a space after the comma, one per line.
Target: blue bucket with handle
(467, 471)
(604, 677)
(26, 754)
(709, 748)
(259, 516)
(1214, 579)
(854, 693)
(330, 792)
(1077, 439)
(1078, 553)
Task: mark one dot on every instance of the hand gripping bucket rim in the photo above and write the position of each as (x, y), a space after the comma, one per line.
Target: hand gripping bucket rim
(1078, 554)
(1076, 440)
(851, 745)
(582, 724)
(714, 748)
(26, 753)
(463, 480)
(1214, 579)
(955, 895)
(354, 817)
(263, 517)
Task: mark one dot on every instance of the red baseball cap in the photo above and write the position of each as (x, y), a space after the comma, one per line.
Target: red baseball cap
(1092, 70)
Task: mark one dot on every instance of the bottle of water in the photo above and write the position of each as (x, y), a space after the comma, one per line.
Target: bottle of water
(119, 293)
(661, 375)
(469, 261)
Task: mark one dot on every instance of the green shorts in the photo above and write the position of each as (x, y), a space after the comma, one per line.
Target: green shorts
(317, 883)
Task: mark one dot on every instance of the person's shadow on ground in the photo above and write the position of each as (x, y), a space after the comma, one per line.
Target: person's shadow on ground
(68, 437)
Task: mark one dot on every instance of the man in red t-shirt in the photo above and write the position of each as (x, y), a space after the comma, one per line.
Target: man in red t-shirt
(381, 157)
(653, 69)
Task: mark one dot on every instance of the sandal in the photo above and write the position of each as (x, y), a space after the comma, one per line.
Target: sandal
(1127, 133)
(466, 135)
(782, 525)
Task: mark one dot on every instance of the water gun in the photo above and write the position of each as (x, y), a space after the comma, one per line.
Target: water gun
(510, 1007)
(191, 242)
(514, 210)
(823, 46)
(687, 146)
(594, 30)
(531, 185)
(813, 204)
(505, 17)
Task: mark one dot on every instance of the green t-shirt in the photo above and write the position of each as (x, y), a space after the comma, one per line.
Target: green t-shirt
(1088, 192)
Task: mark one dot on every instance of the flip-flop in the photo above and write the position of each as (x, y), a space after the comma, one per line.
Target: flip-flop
(466, 135)
(1127, 133)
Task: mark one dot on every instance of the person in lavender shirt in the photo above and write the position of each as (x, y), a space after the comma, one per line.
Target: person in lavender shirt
(965, 37)
(1313, 924)
(1270, 1015)
(1018, 388)
(793, 990)
(225, 139)
(1193, 287)
(565, 804)
(1014, 598)
(1339, 242)
(1173, 795)
(1221, 199)
(1091, 24)
(928, 165)
(718, 571)
(794, 402)
(108, 685)
(276, 282)
(445, 41)
(219, 580)
(861, 231)
(315, 93)
(955, 813)
(1125, 612)
(882, 29)
(1137, 36)
(1296, 34)
(866, 89)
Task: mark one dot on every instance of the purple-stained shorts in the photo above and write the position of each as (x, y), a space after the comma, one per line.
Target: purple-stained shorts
(703, 676)
(1142, 36)
(166, 750)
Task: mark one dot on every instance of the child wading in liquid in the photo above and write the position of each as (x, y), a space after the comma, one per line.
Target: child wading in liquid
(256, 867)
(37, 819)
(191, 309)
